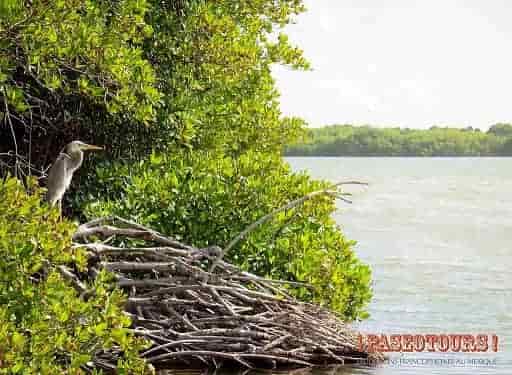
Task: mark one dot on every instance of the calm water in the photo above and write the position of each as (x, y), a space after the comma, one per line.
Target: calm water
(438, 236)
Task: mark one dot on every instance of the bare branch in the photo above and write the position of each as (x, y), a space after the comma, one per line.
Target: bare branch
(237, 317)
(331, 190)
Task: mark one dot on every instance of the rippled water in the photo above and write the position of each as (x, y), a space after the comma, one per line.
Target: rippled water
(437, 233)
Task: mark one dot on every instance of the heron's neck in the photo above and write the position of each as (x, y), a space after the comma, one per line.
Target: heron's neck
(76, 159)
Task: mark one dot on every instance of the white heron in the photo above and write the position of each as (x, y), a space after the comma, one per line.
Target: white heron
(61, 172)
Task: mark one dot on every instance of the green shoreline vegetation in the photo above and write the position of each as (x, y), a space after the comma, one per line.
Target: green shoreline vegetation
(348, 140)
(182, 97)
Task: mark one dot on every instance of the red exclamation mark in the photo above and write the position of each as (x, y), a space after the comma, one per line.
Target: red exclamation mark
(494, 343)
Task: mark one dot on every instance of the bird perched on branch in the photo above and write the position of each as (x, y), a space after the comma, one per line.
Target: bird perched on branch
(61, 172)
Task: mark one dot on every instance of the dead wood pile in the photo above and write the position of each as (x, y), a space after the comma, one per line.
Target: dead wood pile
(197, 318)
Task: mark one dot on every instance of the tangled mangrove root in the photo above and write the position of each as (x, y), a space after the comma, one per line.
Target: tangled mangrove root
(197, 318)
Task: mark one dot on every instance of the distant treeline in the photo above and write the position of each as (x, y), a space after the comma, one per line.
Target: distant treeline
(348, 140)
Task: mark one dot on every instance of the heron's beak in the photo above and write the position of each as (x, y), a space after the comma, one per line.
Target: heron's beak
(91, 147)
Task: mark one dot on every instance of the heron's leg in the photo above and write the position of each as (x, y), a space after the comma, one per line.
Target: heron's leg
(60, 209)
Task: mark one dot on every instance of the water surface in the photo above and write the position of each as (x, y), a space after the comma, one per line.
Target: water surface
(437, 233)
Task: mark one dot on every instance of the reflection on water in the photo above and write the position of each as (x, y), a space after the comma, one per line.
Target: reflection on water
(437, 233)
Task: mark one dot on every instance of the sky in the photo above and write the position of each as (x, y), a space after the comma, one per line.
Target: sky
(408, 63)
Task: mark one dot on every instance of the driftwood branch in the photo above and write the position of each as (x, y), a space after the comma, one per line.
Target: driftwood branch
(236, 318)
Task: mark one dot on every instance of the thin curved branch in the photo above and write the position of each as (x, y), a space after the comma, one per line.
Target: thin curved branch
(331, 190)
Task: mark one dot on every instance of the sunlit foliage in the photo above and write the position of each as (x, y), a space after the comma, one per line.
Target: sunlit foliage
(190, 83)
(207, 199)
(45, 327)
